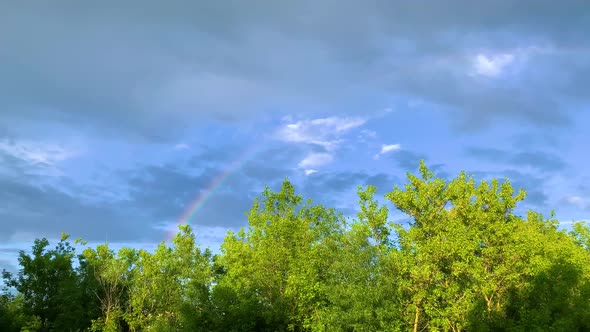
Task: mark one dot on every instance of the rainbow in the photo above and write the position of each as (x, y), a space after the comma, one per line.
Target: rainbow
(215, 183)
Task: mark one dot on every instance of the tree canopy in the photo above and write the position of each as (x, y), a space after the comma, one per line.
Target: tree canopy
(465, 261)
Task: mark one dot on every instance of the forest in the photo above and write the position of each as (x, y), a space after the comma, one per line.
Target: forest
(465, 261)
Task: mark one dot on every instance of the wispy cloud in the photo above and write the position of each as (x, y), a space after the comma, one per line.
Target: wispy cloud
(310, 171)
(325, 132)
(387, 148)
(37, 152)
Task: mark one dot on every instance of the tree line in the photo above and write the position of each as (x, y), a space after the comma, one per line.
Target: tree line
(464, 262)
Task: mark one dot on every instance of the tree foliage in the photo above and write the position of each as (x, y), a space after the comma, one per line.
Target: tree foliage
(465, 261)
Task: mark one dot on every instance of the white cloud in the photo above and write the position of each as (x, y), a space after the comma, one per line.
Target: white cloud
(387, 148)
(492, 65)
(316, 159)
(310, 171)
(37, 153)
(338, 124)
(326, 132)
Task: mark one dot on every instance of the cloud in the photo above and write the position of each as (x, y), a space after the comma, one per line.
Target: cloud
(538, 160)
(387, 148)
(39, 155)
(338, 189)
(162, 193)
(384, 182)
(46, 211)
(134, 200)
(491, 65)
(310, 171)
(139, 85)
(315, 160)
(180, 63)
(408, 160)
(325, 132)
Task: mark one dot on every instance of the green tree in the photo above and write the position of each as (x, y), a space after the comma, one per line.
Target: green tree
(464, 262)
(278, 265)
(50, 286)
(12, 316)
(469, 261)
(111, 276)
(362, 286)
(169, 288)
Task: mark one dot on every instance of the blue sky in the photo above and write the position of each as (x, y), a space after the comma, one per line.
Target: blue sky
(115, 118)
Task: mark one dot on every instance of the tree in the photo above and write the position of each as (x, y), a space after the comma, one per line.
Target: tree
(12, 316)
(169, 288)
(362, 285)
(464, 262)
(466, 254)
(278, 265)
(111, 276)
(50, 287)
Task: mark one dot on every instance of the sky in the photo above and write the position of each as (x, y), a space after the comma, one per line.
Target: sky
(118, 120)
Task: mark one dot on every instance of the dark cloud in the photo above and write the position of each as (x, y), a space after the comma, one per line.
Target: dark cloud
(224, 209)
(137, 200)
(261, 174)
(145, 71)
(407, 160)
(526, 141)
(492, 154)
(336, 189)
(226, 186)
(165, 193)
(383, 182)
(538, 160)
(533, 185)
(47, 211)
(273, 164)
(138, 65)
(335, 182)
